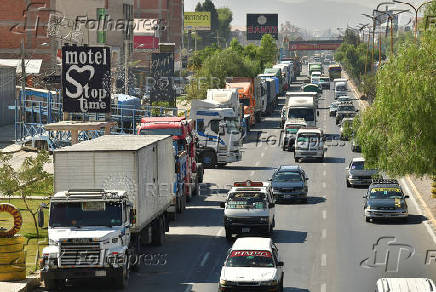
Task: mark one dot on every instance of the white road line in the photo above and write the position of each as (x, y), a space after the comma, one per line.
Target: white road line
(323, 287)
(324, 234)
(324, 164)
(262, 154)
(324, 214)
(252, 173)
(188, 288)
(203, 261)
(324, 185)
(257, 163)
(220, 232)
(324, 173)
(323, 260)
(412, 198)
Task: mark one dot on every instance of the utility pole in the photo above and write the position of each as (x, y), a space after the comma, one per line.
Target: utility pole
(416, 9)
(22, 113)
(126, 69)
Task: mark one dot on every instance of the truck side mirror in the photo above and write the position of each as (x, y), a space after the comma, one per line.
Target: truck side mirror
(280, 264)
(317, 114)
(222, 131)
(222, 205)
(40, 217)
(132, 216)
(271, 205)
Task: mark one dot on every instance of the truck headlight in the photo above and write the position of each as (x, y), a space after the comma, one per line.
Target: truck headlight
(264, 219)
(53, 242)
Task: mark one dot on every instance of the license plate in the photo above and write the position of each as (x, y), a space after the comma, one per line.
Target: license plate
(287, 196)
(100, 273)
(245, 229)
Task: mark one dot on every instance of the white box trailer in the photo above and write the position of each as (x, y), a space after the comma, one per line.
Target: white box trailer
(143, 166)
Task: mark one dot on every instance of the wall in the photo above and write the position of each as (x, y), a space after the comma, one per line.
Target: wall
(7, 94)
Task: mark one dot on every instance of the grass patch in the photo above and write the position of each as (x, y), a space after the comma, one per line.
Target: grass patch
(29, 232)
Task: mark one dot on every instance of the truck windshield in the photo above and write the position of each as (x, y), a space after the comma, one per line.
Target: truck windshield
(172, 132)
(242, 200)
(341, 88)
(245, 101)
(301, 113)
(248, 258)
(79, 214)
(232, 125)
(346, 108)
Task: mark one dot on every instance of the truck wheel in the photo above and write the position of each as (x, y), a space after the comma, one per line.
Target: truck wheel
(228, 235)
(179, 205)
(121, 278)
(51, 284)
(367, 219)
(158, 232)
(348, 183)
(208, 159)
(200, 172)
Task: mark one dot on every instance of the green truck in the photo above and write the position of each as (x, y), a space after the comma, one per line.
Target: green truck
(313, 67)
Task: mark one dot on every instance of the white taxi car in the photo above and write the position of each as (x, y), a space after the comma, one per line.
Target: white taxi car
(252, 264)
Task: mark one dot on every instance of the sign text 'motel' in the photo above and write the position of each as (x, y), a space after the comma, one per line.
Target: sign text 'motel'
(86, 79)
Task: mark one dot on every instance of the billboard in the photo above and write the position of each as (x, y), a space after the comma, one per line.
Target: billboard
(145, 42)
(162, 71)
(261, 24)
(197, 20)
(86, 79)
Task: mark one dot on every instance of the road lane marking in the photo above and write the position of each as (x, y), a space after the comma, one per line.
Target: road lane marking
(257, 163)
(324, 173)
(220, 232)
(324, 234)
(323, 287)
(324, 214)
(418, 208)
(324, 185)
(323, 164)
(262, 154)
(252, 173)
(203, 261)
(324, 260)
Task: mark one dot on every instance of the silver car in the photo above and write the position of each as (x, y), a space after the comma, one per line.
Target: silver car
(357, 175)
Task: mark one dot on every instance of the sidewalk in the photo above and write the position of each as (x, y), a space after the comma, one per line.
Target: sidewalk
(421, 188)
(29, 284)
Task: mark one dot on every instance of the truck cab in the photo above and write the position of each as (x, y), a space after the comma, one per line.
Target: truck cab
(219, 133)
(249, 208)
(189, 172)
(88, 232)
(300, 105)
(290, 130)
(340, 87)
(309, 144)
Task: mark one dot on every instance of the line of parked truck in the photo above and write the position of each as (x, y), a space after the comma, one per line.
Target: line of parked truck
(116, 194)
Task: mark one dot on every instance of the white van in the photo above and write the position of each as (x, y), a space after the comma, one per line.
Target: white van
(309, 143)
(405, 285)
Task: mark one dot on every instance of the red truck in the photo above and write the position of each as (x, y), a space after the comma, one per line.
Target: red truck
(189, 172)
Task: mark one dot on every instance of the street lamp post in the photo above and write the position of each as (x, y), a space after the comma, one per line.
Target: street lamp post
(374, 18)
(390, 19)
(416, 9)
(362, 28)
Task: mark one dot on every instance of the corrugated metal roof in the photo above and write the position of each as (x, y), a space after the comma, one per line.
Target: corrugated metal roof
(115, 143)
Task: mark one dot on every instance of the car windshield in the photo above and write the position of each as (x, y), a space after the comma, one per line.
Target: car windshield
(78, 214)
(250, 258)
(346, 108)
(287, 176)
(301, 113)
(386, 193)
(169, 131)
(358, 165)
(341, 88)
(241, 200)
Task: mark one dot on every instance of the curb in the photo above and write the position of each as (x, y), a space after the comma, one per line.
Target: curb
(428, 213)
(27, 285)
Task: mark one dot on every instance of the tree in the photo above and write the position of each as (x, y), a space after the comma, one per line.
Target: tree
(30, 178)
(208, 36)
(267, 51)
(225, 17)
(397, 132)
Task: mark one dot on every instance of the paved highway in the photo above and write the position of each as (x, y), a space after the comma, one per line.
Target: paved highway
(323, 243)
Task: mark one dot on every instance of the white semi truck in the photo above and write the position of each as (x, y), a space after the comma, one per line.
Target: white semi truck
(218, 124)
(112, 195)
(300, 105)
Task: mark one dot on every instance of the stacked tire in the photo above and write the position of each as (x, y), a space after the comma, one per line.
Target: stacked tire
(12, 259)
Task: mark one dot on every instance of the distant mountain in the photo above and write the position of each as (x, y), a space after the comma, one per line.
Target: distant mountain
(310, 14)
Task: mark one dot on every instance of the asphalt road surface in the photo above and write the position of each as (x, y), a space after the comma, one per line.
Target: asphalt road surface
(324, 243)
